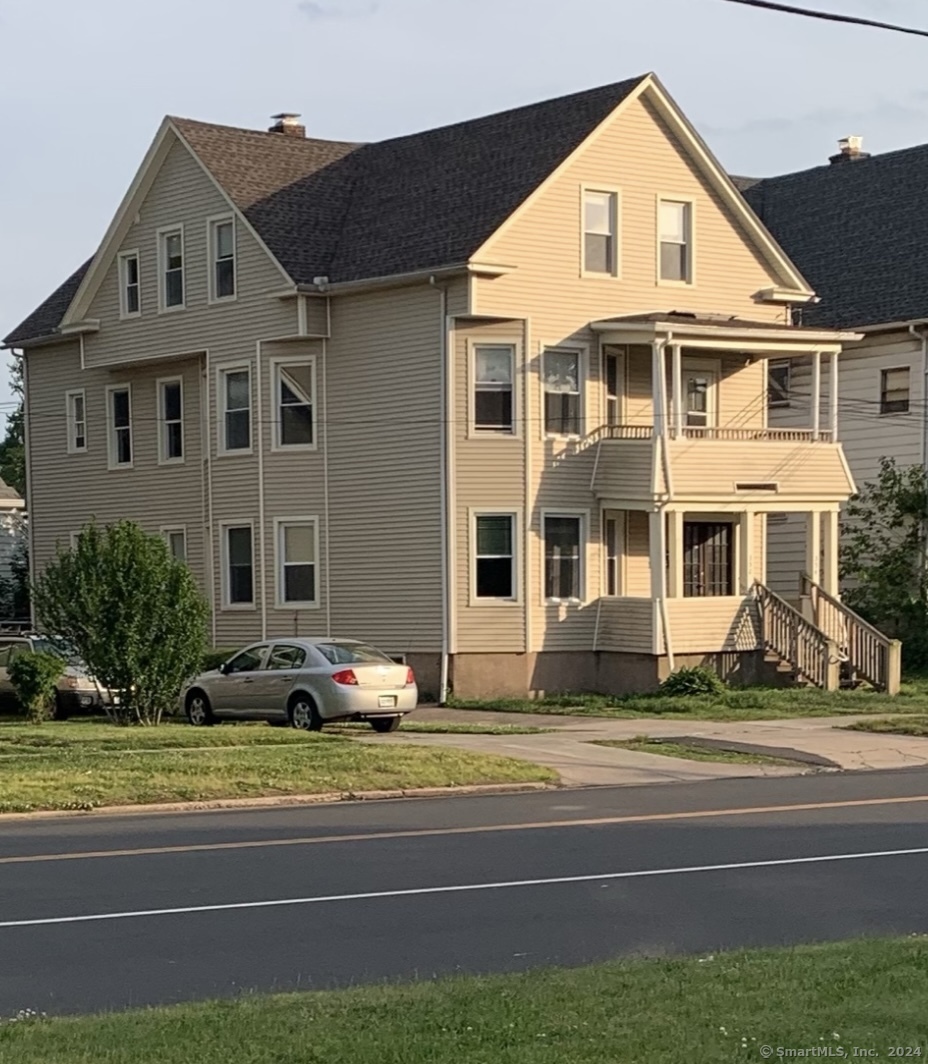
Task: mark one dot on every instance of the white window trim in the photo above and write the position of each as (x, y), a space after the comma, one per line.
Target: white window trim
(615, 273)
(160, 235)
(584, 352)
(712, 367)
(881, 377)
(225, 604)
(172, 530)
(280, 557)
(124, 312)
(211, 249)
(621, 519)
(275, 363)
(622, 397)
(584, 516)
(517, 524)
(221, 371)
(672, 197)
(111, 462)
(162, 434)
(473, 433)
(73, 537)
(72, 421)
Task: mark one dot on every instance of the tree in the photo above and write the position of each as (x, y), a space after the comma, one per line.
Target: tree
(883, 557)
(13, 445)
(132, 612)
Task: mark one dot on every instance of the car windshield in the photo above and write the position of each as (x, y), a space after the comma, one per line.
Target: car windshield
(44, 645)
(352, 654)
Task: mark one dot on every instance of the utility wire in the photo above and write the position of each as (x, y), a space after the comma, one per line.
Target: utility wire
(853, 20)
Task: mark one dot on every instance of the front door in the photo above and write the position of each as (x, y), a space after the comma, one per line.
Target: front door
(708, 562)
(700, 391)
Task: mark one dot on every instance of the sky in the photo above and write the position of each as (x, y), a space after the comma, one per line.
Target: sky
(85, 84)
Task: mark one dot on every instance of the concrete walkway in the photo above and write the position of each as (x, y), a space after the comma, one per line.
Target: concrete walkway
(569, 749)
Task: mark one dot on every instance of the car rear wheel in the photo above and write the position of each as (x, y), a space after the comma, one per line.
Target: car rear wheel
(59, 710)
(199, 711)
(385, 724)
(304, 714)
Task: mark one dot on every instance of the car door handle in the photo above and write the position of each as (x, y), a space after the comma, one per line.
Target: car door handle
(248, 679)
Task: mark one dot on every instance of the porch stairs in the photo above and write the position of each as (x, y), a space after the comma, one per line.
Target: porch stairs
(824, 643)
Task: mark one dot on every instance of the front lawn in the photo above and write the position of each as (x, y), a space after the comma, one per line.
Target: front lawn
(83, 765)
(735, 703)
(867, 995)
(694, 752)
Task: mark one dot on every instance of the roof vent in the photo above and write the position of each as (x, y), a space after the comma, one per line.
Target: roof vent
(286, 123)
(850, 150)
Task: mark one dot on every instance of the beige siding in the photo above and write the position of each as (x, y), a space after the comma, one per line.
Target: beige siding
(626, 625)
(703, 625)
(489, 474)
(624, 469)
(317, 315)
(637, 559)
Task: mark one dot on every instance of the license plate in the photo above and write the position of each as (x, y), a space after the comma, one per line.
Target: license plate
(386, 701)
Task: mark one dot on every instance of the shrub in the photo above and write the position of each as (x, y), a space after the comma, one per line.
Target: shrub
(696, 680)
(35, 679)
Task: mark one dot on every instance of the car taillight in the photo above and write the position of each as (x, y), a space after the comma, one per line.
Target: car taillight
(72, 682)
(346, 676)
(410, 677)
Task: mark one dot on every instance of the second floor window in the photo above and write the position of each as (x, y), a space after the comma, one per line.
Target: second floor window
(675, 223)
(293, 383)
(778, 384)
(120, 426)
(172, 268)
(171, 423)
(894, 391)
(600, 211)
(222, 241)
(130, 296)
(77, 422)
(561, 382)
(236, 409)
(493, 372)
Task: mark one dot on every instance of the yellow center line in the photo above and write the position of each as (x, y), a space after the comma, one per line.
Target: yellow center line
(482, 829)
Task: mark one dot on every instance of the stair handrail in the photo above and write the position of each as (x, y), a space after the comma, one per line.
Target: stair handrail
(795, 639)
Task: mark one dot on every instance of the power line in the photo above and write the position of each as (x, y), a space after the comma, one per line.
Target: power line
(853, 20)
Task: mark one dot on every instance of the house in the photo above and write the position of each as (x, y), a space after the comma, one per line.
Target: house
(850, 226)
(491, 396)
(13, 524)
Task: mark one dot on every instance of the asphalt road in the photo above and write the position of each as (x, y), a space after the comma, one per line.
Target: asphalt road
(100, 913)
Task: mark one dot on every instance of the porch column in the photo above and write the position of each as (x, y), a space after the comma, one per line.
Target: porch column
(675, 550)
(658, 389)
(657, 526)
(814, 546)
(816, 394)
(831, 545)
(747, 544)
(676, 355)
(833, 396)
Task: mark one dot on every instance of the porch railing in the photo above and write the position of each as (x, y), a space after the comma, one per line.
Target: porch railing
(813, 656)
(690, 432)
(870, 654)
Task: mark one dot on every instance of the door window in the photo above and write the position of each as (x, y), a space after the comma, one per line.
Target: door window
(248, 661)
(697, 400)
(286, 657)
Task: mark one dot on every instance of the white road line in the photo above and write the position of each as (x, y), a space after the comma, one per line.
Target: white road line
(462, 888)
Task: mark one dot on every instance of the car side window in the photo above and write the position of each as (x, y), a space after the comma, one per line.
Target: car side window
(247, 661)
(286, 657)
(9, 649)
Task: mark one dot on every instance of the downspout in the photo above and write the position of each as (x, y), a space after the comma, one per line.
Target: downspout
(444, 494)
(262, 563)
(207, 466)
(30, 521)
(325, 485)
(660, 394)
(923, 339)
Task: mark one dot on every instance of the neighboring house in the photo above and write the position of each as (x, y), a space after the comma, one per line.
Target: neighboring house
(491, 396)
(12, 531)
(853, 228)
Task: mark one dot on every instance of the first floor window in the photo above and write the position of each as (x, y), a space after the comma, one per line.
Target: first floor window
(239, 566)
(562, 557)
(778, 384)
(120, 418)
(77, 422)
(708, 560)
(236, 409)
(294, 384)
(176, 539)
(495, 557)
(894, 391)
(172, 421)
(297, 550)
(561, 381)
(493, 373)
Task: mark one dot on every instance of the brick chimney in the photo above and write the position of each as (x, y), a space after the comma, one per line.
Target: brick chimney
(851, 150)
(286, 123)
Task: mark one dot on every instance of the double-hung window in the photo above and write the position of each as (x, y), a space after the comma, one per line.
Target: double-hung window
(493, 388)
(130, 297)
(235, 400)
(563, 536)
(171, 420)
(119, 416)
(222, 257)
(600, 222)
(294, 387)
(562, 390)
(239, 589)
(495, 557)
(894, 391)
(298, 563)
(176, 540)
(171, 262)
(77, 421)
(675, 238)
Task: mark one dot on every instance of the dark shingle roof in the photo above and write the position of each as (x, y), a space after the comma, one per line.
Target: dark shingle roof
(45, 319)
(857, 232)
(352, 212)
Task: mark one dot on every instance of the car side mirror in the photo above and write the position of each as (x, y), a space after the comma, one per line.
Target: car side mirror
(224, 668)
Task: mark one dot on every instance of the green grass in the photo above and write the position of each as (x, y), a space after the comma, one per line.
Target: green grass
(867, 994)
(78, 765)
(442, 727)
(736, 703)
(893, 725)
(693, 752)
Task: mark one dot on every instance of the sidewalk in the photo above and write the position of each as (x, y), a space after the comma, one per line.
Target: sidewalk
(568, 748)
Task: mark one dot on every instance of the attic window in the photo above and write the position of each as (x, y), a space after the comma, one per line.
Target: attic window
(600, 228)
(171, 263)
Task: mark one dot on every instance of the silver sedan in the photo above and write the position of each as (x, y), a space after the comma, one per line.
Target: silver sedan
(304, 682)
